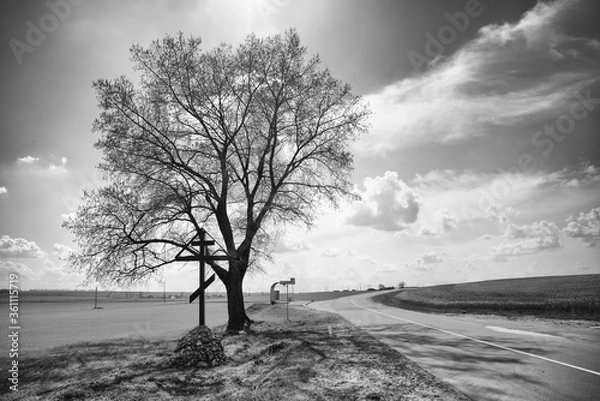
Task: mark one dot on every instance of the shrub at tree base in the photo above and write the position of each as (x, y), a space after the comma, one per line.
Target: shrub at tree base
(199, 349)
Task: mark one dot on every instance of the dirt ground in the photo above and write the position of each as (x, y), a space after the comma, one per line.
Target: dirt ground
(314, 356)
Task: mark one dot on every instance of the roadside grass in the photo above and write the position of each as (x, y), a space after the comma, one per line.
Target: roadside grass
(559, 297)
(315, 356)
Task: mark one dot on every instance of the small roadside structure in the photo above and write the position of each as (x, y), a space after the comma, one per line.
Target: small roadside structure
(275, 294)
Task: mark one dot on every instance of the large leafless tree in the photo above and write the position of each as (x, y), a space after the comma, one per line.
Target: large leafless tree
(231, 140)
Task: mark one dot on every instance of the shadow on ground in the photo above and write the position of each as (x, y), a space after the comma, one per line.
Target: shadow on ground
(317, 356)
(460, 357)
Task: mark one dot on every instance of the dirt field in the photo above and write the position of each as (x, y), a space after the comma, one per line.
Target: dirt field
(316, 356)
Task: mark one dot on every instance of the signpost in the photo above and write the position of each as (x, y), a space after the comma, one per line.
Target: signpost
(201, 256)
(287, 283)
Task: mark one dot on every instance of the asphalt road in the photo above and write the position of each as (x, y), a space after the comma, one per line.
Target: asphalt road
(487, 358)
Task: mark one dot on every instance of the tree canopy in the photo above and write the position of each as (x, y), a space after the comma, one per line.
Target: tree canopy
(231, 140)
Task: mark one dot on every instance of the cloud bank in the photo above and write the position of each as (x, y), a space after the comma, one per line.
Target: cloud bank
(586, 226)
(512, 73)
(19, 248)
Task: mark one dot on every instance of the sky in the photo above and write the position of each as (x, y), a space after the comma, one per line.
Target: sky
(481, 162)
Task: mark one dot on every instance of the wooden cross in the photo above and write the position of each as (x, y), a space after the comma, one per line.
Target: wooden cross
(200, 241)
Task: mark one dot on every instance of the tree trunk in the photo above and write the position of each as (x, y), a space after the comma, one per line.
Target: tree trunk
(235, 300)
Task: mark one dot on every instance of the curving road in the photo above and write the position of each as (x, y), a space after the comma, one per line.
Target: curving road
(487, 358)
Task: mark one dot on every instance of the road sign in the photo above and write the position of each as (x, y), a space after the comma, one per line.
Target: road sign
(274, 297)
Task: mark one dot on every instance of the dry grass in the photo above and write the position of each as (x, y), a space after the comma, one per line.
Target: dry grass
(317, 356)
(553, 297)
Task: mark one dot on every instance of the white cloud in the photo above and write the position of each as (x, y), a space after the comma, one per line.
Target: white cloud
(3, 190)
(448, 179)
(291, 245)
(34, 165)
(425, 261)
(528, 246)
(68, 216)
(427, 231)
(532, 238)
(573, 177)
(62, 167)
(498, 213)
(28, 160)
(586, 226)
(19, 248)
(442, 221)
(445, 219)
(430, 258)
(471, 194)
(509, 74)
(7, 267)
(388, 204)
(534, 230)
(62, 251)
(336, 252)
(536, 30)
(496, 196)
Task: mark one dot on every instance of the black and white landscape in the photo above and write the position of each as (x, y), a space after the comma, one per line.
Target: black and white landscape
(333, 147)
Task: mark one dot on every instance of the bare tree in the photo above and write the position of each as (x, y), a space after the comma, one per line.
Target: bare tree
(231, 140)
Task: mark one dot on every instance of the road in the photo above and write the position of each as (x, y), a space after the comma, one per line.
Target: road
(487, 358)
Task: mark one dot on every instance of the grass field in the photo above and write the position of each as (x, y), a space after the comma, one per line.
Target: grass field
(553, 297)
(316, 356)
(49, 319)
(105, 297)
(109, 296)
